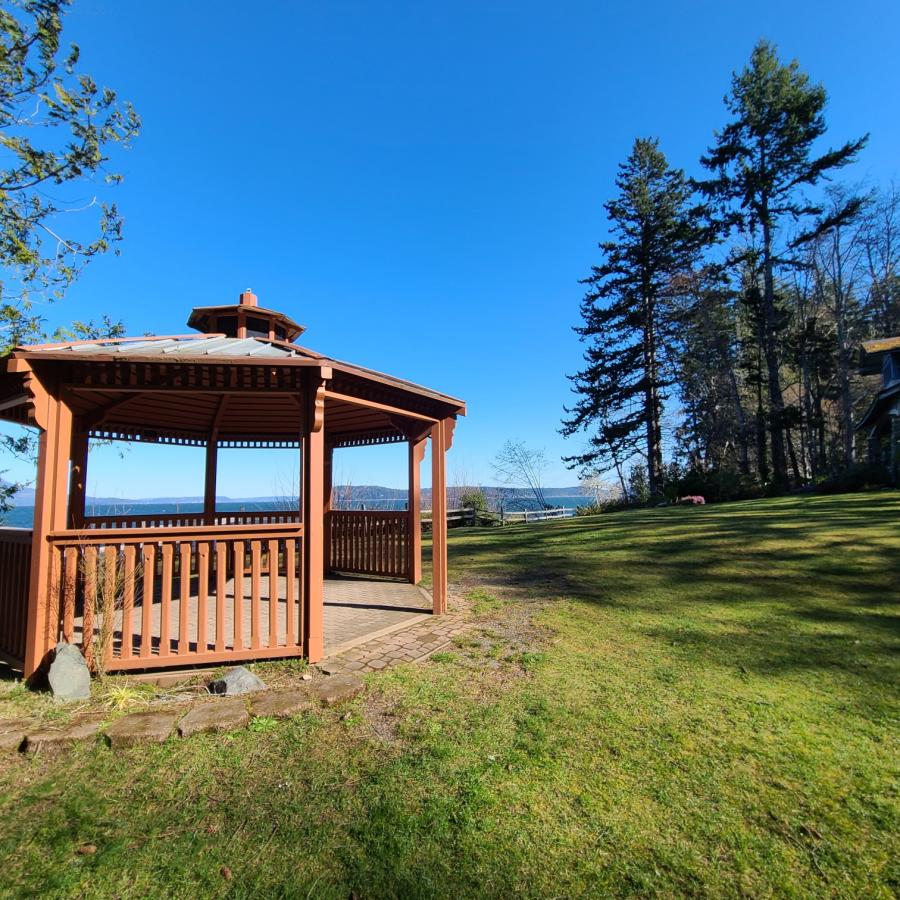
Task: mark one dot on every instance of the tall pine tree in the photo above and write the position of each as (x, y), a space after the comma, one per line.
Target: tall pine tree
(626, 315)
(762, 160)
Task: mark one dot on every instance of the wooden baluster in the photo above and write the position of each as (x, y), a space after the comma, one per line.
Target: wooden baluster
(238, 595)
(221, 565)
(147, 600)
(273, 593)
(70, 579)
(54, 600)
(127, 601)
(255, 565)
(184, 596)
(202, 594)
(110, 600)
(90, 603)
(290, 590)
(165, 612)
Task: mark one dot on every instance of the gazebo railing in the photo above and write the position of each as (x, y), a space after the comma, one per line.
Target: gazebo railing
(193, 519)
(368, 542)
(167, 596)
(15, 571)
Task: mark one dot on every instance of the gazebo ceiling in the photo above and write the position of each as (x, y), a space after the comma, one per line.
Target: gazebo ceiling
(240, 419)
(246, 390)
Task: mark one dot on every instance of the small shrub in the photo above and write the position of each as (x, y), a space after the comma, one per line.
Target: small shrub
(857, 477)
(118, 694)
(473, 498)
(263, 723)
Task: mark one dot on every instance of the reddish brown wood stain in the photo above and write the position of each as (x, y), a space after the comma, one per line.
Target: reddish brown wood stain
(212, 586)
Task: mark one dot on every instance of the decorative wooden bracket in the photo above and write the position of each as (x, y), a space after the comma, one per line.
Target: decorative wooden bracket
(217, 419)
(449, 426)
(413, 431)
(317, 422)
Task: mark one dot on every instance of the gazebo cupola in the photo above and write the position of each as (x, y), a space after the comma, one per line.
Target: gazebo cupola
(245, 319)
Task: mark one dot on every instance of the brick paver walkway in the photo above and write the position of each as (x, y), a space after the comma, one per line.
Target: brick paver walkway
(411, 643)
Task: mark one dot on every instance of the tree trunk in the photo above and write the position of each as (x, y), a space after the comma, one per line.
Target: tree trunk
(770, 350)
(651, 399)
(843, 360)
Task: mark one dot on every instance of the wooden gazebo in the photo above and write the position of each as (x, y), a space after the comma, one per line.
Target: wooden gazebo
(153, 591)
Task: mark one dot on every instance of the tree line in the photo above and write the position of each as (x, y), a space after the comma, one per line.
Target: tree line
(720, 324)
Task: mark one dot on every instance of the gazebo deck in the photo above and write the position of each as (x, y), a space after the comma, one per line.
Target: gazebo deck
(356, 609)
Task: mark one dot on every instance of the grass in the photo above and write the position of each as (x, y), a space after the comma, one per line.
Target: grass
(676, 702)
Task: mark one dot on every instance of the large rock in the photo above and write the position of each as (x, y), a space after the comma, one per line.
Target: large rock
(337, 688)
(220, 715)
(281, 704)
(69, 676)
(237, 681)
(141, 728)
(54, 740)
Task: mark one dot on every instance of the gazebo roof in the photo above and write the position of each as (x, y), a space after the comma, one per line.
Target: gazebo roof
(116, 388)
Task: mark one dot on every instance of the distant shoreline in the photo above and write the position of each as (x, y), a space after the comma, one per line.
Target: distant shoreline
(22, 516)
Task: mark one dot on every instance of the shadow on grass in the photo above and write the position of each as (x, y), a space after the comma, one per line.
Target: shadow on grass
(792, 584)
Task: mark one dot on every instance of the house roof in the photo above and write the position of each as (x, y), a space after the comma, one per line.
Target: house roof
(873, 352)
(880, 405)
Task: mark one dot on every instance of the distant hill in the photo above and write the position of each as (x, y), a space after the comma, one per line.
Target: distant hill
(358, 493)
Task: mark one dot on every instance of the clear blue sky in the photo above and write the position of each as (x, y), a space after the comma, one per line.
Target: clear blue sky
(421, 184)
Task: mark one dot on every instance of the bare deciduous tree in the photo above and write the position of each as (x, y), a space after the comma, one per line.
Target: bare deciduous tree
(519, 466)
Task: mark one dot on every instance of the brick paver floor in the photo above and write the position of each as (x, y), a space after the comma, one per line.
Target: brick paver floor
(412, 642)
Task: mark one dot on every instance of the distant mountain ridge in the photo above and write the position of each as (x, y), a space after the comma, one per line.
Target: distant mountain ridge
(358, 493)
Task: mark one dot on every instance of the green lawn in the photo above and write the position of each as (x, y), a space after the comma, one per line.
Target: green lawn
(695, 701)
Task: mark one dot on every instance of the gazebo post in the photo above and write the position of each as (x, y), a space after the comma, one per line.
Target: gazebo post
(212, 464)
(54, 417)
(314, 515)
(438, 518)
(78, 479)
(209, 488)
(328, 499)
(414, 503)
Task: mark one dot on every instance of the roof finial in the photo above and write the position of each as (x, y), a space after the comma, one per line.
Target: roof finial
(248, 298)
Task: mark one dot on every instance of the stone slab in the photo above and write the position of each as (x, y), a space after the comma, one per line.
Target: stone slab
(222, 715)
(141, 728)
(54, 740)
(13, 733)
(337, 688)
(281, 704)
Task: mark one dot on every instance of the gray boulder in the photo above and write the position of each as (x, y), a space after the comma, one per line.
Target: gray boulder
(237, 681)
(69, 676)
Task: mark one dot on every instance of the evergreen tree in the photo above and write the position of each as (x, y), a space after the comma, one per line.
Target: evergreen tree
(626, 314)
(762, 160)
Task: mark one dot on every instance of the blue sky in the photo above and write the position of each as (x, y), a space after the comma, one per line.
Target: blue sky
(422, 184)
